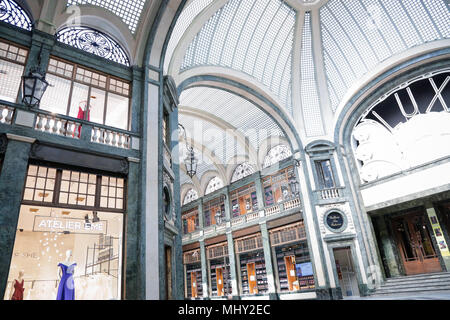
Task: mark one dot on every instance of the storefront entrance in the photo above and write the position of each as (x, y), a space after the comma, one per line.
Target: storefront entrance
(415, 243)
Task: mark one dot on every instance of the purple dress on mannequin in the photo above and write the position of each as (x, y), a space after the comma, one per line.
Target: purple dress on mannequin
(66, 289)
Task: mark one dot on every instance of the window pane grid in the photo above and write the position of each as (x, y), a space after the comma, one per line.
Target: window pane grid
(40, 184)
(111, 195)
(77, 188)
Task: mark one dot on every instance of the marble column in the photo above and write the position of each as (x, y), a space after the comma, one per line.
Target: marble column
(268, 258)
(387, 243)
(259, 192)
(204, 264)
(12, 181)
(232, 257)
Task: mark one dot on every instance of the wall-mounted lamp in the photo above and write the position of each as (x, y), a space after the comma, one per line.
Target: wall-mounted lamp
(34, 85)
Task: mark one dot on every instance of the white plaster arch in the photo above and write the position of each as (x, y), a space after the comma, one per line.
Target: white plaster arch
(227, 127)
(104, 21)
(185, 189)
(379, 70)
(263, 105)
(267, 145)
(190, 33)
(207, 177)
(231, 74)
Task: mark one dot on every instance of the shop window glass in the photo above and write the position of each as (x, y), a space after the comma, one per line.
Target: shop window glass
(112, 193)
(219, 272)
(40, 184)
(86, 94)
(12, 66)
(277, 188)
(193, 276)
(252, 265)
(49, 237)
(244, 201)
(294, 265)
(325, 174)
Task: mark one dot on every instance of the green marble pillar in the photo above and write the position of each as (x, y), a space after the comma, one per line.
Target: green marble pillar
(268, 258)
(204, 269)
(232, 257)
(12, 180)
(259, 192)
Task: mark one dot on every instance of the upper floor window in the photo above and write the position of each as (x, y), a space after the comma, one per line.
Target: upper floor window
(190, 221)
(244, 200)
(242, 171)
(12, 66)
(12, 13)
(214, 184)
(190, 196)
(277, 154)
(213, 211)
(277, 188)
(325, 174)
(85, 94)
(95, 42)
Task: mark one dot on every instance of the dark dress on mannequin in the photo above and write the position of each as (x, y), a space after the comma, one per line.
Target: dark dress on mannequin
(18, 290)
(66, 289)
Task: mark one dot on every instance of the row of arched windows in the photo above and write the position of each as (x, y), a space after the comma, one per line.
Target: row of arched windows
(275, 155)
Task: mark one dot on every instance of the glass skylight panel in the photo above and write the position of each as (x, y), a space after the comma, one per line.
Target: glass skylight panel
(184, 20)
(190, 196)
(242, 171)
(439, 12)
(309, 94)
(214, 184)
(253, 37)
(421, 19)
(128, 10)
(12, 13)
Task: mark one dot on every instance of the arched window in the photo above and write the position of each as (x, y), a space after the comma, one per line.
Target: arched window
(190, 196)
(214, 184)
(95, 42)
(277, 154)
(12, 13)
(243, 170)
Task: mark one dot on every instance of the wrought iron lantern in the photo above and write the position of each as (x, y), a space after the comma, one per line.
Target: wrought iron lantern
(34, 85)
(190, 160)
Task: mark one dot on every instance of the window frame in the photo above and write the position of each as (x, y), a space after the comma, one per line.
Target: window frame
(106, 89)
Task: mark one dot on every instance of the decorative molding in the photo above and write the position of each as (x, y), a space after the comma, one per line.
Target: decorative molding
(20, 138)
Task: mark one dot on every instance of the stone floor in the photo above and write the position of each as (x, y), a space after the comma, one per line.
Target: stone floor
(437, 295)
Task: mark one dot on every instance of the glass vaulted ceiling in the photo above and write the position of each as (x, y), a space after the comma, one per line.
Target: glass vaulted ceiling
(128, 10)
(357, 35)
(254, 37)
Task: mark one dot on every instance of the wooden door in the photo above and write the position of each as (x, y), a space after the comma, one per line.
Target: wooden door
(415, 244)
(194, 290)
(291, 273)
(252, 282)
(219, 279)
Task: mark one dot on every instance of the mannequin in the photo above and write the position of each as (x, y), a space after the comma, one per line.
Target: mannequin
(18, 287)
(66, 289)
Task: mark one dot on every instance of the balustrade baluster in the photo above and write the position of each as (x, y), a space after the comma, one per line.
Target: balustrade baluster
(8, 118)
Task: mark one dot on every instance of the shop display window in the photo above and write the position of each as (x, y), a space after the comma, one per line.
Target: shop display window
(193, 276)
(213, 210)
(68, 249)
(190, 221)
(90, 95)
(252, 266)
(244, 200)
(294, 267)
(277, 188)
(12, 65)
(219, 270)
(49, 240)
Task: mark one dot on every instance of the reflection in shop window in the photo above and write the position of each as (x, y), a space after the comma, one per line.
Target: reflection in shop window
(12, 66)
(219, 272)
(84, 94)
(190, 221)
(244, 200)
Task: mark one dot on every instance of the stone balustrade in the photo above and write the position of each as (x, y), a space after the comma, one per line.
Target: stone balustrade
(110, 137)
(58, 126)
(6, 114)
(272, 210)
(326, 194)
